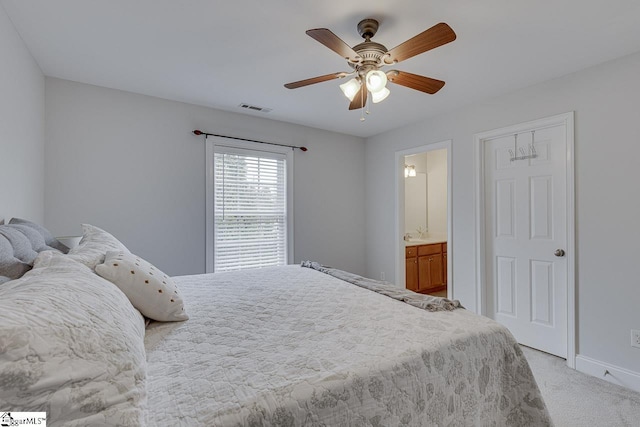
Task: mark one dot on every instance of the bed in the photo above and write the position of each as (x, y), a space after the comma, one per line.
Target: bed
(285, 346)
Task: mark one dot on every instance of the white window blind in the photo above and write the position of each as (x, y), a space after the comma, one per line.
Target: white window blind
(250, 209)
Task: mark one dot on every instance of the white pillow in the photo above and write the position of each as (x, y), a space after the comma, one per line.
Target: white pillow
(149, 289)
(71, 345)
(94, 244)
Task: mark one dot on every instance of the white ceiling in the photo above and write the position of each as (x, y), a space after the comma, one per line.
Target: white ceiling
(222, 53)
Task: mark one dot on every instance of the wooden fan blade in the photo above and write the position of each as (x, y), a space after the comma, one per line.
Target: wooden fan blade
(414, 81)
(360, 100)
(335, 43)
(314, 80)
(434, 37)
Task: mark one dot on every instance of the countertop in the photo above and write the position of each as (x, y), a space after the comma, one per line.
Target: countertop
(425, 241)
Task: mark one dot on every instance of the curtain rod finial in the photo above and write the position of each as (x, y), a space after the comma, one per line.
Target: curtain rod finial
(303, 148)
(197, 132)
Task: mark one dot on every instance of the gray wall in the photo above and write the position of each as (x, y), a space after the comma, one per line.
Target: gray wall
(129, 163)
(607, 149)
(21, 128)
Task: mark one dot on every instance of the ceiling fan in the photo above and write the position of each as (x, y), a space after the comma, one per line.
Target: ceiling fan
(368, 57)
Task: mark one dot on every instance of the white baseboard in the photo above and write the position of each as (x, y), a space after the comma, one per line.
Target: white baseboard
(610, 373)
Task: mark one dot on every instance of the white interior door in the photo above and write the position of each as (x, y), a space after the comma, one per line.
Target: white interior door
(526, 236)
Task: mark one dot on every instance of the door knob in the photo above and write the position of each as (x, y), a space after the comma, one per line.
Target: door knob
(559, 252)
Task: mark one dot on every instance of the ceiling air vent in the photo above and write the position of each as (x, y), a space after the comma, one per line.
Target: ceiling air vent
(255, 108)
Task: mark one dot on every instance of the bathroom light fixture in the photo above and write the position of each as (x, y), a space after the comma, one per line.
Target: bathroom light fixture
(409, 171)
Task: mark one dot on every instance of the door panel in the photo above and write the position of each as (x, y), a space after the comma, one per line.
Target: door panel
(542, 284)
(505, 208)
(506, 285)
(525, 214)
(424, 273)
(540, 207)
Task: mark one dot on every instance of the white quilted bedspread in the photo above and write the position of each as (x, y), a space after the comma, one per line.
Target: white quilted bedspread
(295, 347)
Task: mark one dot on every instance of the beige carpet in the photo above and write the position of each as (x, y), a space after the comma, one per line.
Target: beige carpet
(575, 399)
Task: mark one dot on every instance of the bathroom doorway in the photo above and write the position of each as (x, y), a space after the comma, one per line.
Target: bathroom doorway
(423, 219)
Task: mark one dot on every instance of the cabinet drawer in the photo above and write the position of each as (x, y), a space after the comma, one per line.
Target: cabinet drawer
(429, 249)
(410, 251)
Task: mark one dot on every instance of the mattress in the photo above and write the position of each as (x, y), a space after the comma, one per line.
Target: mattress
(291, 346)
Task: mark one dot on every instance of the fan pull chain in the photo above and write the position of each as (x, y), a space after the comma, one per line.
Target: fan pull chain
(362, 92)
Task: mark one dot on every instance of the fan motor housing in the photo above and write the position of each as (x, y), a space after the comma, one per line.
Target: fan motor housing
(368, 28)
(371, 53)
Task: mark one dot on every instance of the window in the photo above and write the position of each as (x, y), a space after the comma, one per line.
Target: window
(248, 206)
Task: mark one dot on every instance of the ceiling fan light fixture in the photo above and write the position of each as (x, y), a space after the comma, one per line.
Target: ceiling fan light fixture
(380, 95)
(376, 81)
(350, 88)
(366, 59)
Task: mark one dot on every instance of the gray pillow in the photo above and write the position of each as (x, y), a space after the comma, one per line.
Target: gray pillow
(10, 266)
(22, 248)
(37, 240)
(46, 234)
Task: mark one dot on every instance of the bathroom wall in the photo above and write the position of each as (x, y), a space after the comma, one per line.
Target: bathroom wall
(415, 204)
(415, 191)
(426, 194)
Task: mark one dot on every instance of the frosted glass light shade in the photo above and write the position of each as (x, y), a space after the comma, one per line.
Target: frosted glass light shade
(380, 95)
(376, 81)
(409, 171)
(350, 88)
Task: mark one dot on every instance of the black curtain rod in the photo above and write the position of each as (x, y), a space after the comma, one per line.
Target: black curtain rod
(199, 132)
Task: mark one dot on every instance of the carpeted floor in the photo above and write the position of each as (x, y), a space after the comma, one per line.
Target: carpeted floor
(575, 399)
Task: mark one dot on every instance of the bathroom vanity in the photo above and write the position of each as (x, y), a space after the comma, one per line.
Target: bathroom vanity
(426, 265)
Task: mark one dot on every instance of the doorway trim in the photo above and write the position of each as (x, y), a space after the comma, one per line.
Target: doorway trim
(399, 211)
(480, 139)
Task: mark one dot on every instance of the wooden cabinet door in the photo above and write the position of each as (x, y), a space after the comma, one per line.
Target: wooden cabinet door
(412, 273)
(435, 271)
(424, 273)
(429, 272)
(431, 269)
